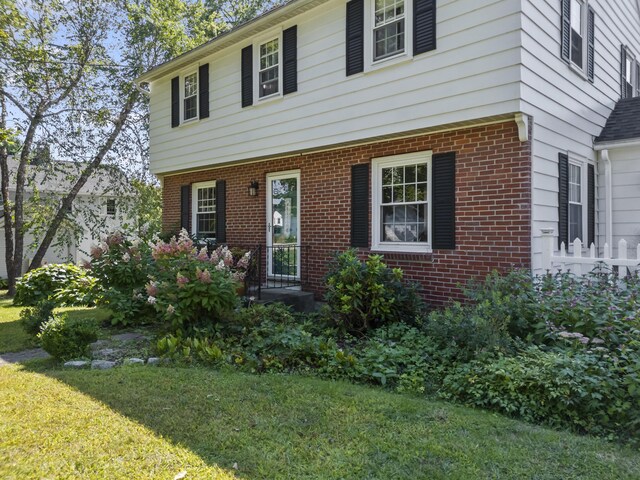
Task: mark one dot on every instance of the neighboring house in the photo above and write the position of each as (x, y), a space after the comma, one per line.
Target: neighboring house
(444, 134)
(98, 208)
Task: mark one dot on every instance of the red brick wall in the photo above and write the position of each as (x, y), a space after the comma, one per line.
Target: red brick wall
(493, 205)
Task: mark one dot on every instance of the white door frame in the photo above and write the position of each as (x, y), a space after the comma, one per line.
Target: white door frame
(269, 217)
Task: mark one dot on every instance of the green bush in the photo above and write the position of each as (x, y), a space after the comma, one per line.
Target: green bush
(365, 295)
(64, 339)
(123, 265)
(33, 318)
(588, 391)
(67, 284)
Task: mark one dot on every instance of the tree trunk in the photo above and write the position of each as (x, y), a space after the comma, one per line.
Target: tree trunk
(86, 173)
(6, 203)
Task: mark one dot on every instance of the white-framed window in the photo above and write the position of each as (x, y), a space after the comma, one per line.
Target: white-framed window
(578, 36)
(401, 203)
(111, 207)
(630, 80)
(203, 208)
(389, 30)
(269, 68)
(577, 210)
(190, 96)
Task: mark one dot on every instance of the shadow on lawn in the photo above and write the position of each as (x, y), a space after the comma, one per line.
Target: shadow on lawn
(272, 427)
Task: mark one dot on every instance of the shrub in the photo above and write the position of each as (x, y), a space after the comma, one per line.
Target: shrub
(33, 318)
(64, 339)
(123, 265)
(68, 284)
(588, 391)
(191, 289)
(364, 295)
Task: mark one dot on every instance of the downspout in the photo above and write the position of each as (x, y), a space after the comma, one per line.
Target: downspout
(604, 156)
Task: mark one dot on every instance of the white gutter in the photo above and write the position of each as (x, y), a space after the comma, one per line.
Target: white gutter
(604, 156)
(635, 142)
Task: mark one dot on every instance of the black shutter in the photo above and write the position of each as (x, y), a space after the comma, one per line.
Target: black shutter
(591, 46)
(591, 206)
(221, 211)
(185, 197)
(424, 26)
(203, 90)
(360, 205)
(290, 60)
(355, 36)
(247, 76)
(175, 102)
(443, 173)
(623, 72)
(563, 199)
(565, 30)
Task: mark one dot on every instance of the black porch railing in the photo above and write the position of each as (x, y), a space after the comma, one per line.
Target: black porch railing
(278, 266)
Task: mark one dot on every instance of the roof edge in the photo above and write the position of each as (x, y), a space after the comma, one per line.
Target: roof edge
(607, 145)
(284, 11)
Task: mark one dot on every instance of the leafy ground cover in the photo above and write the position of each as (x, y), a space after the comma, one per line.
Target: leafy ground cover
(146, 422)
(12, 336)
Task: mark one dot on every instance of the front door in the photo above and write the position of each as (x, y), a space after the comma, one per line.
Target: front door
(283, 225)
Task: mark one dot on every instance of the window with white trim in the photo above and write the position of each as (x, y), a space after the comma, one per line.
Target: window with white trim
(630, 80)
(388, 28)
(578, 32)
(111, 207)
(204, 209)
(401, 202)
(577, 211)
(269, 68)
(190, 97)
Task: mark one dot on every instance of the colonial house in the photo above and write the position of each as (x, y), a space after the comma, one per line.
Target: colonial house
(101, 206)
(446, 135)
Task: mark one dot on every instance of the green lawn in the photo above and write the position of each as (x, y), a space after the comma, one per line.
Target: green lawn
(146, 422)
(14, 339)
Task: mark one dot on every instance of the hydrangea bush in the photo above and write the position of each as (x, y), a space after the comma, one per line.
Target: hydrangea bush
(191, 288)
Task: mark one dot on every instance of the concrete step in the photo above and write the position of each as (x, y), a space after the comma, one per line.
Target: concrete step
(299, 300)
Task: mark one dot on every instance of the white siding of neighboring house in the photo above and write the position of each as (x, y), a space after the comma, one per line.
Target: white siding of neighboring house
(78, 252)
(568, 110)
(474, 73)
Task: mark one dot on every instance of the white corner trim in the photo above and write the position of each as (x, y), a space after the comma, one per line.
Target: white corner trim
(522, 121)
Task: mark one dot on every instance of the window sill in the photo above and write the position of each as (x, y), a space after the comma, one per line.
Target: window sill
(409, 249)
(577, 70)
(191, 121)
(400, 58)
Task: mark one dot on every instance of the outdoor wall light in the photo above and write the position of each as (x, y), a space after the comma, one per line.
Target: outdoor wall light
(253, 188)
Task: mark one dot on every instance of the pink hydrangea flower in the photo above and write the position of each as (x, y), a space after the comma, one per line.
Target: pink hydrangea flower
(152, 289)
(182, 280)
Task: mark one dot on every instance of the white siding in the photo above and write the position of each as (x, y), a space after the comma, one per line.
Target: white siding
(625, 179)
(474, 73)
(568, 110)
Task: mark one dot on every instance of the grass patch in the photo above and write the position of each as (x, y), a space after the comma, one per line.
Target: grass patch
(154, 422)
(13, 338)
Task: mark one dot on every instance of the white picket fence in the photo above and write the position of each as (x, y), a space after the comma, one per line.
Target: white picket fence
(579, 264)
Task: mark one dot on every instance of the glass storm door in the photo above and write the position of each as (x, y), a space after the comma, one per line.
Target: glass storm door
(283, 224)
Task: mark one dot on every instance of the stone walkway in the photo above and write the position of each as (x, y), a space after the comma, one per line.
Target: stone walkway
(23, 356)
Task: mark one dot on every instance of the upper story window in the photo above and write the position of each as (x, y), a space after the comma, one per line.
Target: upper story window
(204, 209)
(630, 74)
(577, 32)
(190, 96)
(269, 68)
(388, 28)
(382, 32)
(190, 100)
(578, 36)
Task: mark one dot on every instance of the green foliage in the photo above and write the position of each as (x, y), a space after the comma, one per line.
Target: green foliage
(584, 391)
(67, 284)
(122, 265)
(365, 295)
(65, 339)
(190, 289)
(33, 318)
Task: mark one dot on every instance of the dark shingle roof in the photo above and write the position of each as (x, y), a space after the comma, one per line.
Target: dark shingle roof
(623, 123)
